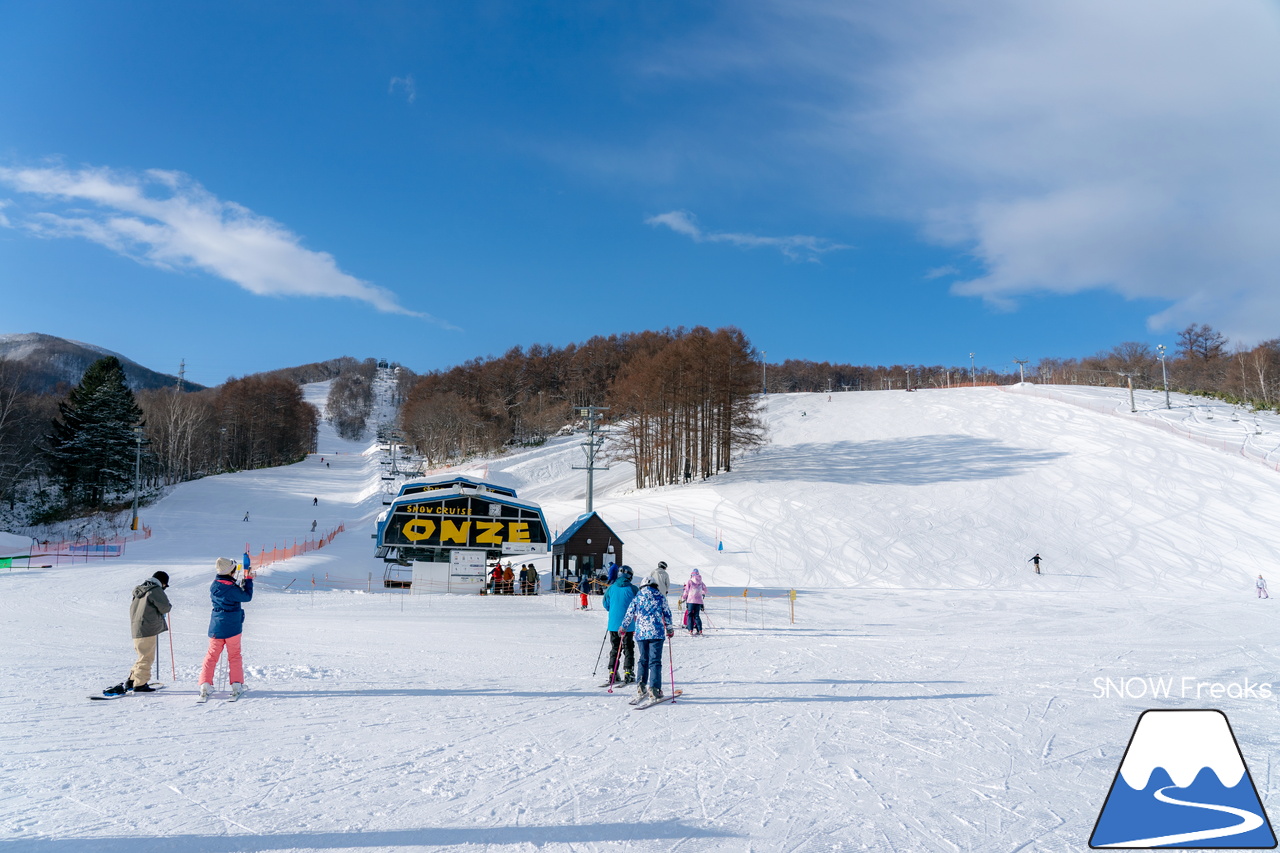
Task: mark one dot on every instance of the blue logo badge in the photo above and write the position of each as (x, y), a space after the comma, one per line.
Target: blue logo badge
(1183, 783)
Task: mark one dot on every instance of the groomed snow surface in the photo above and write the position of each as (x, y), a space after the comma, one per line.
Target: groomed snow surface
(934, 694)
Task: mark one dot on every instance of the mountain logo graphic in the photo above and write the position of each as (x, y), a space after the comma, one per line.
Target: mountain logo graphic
(1183, 783)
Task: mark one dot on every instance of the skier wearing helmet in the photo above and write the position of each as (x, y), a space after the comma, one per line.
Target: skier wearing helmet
(650, 618)
(616, 600)
(663, 579)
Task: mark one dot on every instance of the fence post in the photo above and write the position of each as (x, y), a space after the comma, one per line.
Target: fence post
(793, 606)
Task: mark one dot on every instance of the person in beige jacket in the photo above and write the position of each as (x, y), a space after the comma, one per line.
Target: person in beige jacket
(146, 622)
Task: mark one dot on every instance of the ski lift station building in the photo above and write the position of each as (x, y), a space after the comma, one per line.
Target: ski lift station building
(438, 534)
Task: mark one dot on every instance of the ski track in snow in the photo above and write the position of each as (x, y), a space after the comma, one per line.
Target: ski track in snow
(934, 694)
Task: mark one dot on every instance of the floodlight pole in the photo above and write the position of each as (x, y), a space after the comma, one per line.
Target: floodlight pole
(1165, 375)
(973, 371)
(764, 373)
(591, 445)
(137, 475)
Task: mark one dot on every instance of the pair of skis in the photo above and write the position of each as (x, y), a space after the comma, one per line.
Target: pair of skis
(104, 695)
(234, 697)
(641, 702)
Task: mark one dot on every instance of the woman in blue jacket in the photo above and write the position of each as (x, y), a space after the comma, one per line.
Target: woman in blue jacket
(226, 625)
(650, 618)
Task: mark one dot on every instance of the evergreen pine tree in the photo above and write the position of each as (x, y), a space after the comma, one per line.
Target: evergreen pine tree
(92, 445)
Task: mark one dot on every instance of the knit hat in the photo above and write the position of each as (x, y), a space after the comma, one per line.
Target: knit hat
(225, 566)
(162, 577)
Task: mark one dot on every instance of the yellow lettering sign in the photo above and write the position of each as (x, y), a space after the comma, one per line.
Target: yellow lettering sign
(418, 529)
(490, 532)
(519, 531)
(451, 531)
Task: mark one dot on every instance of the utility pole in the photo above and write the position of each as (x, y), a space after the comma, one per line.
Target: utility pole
(973, 371)
(1022, 376)
(764, 373)
(595, 440)
(182, 372)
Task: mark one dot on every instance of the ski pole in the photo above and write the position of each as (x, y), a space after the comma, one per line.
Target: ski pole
(671, 656)
(600, 653)
(172, 663)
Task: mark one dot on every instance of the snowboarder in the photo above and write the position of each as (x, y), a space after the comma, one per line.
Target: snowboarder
(617, 598)
(315, 502)
(1262, 588)
(146, 621)
(1036, 560)
(650, 619)
(692, 598)
(226, 625)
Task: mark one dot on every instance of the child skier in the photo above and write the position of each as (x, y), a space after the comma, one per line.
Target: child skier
(694, 594)
(226, 625)
(617, 598)
(649, 617)
(1262, 588)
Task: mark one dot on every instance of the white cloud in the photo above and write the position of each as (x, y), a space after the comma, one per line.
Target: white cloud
(798, 247)
(406, 83)
(1067, 145)
(165, 219)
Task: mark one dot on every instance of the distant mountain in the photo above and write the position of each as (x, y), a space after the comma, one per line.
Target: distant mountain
(47, 361)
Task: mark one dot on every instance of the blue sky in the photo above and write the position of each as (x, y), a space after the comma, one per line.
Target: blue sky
(248, 186)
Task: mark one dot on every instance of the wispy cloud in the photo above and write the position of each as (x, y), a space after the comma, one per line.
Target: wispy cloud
(1064, 145)
(797, 247)
(165, 219)
(405, 84)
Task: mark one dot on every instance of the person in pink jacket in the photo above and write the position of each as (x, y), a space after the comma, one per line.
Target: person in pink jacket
(694, 594)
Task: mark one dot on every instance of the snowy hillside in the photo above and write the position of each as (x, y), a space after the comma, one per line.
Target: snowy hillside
(934, 693)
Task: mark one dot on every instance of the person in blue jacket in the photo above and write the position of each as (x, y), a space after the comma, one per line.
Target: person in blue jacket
(650, 618)
(616, 600)
(613, 572)
(226, 624)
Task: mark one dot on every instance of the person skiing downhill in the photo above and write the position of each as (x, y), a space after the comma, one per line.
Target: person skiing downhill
(694, 594)
(226, 625)
(617, 598)
(649, 617)
(1262, 588)
(1036, 560)
(146, 622)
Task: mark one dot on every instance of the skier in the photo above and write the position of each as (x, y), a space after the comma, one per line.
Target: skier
(313, 525)
(663, 579)
(146, 621)
(617, 598)
(613, 573)
(1262, 588)
(246, 515)
(315, 502)
(650, 619)
(226, 625)
(692, 598)
(1036, 560)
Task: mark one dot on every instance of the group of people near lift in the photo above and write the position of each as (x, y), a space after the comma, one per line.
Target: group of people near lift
(502, 580)
(640, 619)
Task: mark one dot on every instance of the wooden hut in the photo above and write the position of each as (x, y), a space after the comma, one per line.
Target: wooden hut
(586, 547)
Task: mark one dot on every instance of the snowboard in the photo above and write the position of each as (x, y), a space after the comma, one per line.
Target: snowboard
(102, 697)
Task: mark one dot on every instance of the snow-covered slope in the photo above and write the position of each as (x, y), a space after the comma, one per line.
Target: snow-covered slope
(932, 694)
